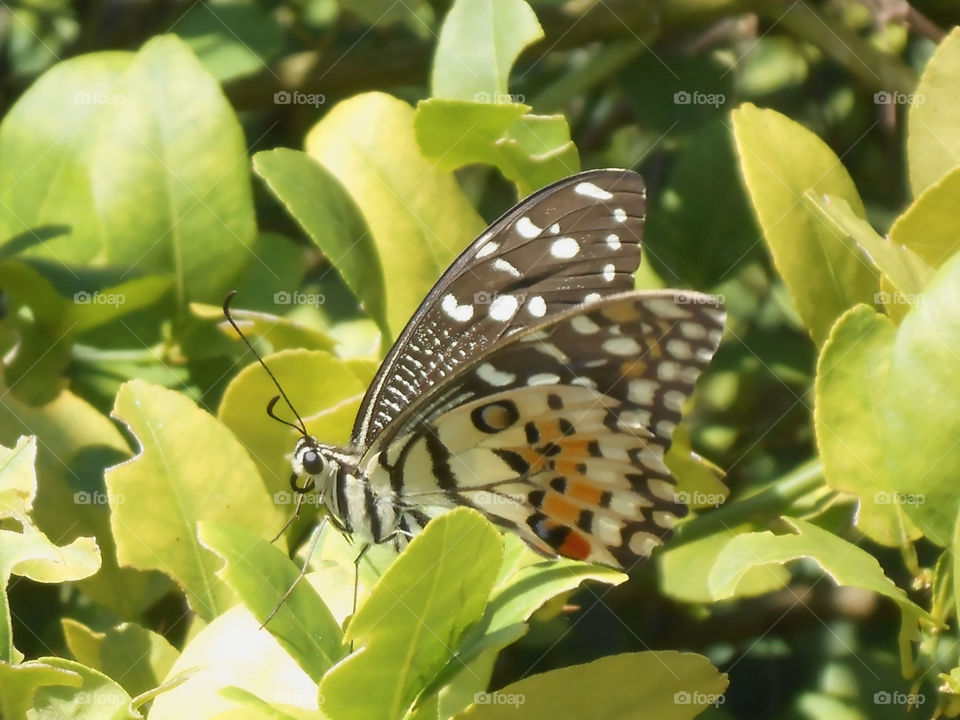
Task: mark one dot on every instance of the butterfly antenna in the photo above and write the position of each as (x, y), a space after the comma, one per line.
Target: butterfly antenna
(301, 427)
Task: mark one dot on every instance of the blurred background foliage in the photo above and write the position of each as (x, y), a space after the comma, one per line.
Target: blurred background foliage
(642, 85)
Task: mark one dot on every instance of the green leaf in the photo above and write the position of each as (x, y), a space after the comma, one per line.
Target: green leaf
(40, 320)
(260, 574)
(510, 606)
(478, 44)
(850, 397)
(76, 443)
(27, 551)
(780, 161)
(325, 391)
(94, 697)
(411, 623)
(138, 658)
(933, 138)
(189, 468)
(930, 227)
(282, 333)
(419, 217)
(685, 569)
(847, 564)
(686, 239)
(232, 38)
(233, 651)
(19, 684)
(530, 150)
(906, 270)
(331, 219)
(90, 310)
(668, 685)
(143, 167)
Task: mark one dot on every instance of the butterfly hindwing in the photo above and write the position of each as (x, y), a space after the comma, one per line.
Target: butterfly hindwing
(559, 432)
(574, 240)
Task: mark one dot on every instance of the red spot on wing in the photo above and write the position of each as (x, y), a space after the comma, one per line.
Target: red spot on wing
(575, 546)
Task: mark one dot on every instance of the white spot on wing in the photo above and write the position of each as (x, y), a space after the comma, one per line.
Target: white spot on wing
(504, 266)
(543, 379)
(619, 215)
(641, 390)
(555, 229)
(565, 247)
(591, 297)
(526, 228)
(609, 272)
(460, 313)
(487, 249)
(590, 190)
(503, 307)
(584, 325)
(622, 345)
(490, 375)
(613, 241)
(536, 306)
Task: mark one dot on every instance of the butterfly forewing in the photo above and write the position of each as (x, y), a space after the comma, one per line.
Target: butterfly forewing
(575, 240)
(558, 432)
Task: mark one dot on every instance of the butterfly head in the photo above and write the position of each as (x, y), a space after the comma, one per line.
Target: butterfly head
(316, 462)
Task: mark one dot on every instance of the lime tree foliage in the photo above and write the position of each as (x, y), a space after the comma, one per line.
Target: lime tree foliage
(328, 162)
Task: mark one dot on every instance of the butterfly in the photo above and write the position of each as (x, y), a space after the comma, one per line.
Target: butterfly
(533, 384)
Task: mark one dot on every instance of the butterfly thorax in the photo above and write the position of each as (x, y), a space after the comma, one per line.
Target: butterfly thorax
(365, 509)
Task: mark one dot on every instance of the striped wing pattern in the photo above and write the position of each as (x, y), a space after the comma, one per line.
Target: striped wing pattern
(558, 432)
(575, 240)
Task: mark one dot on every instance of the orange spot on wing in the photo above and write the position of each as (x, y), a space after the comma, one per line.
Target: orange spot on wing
(621, 312)
(585, 492)
(576, 546)
(557, 507)
(633, 368)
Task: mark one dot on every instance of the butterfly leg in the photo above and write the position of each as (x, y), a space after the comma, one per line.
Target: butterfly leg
(303, 570)
(301, 492)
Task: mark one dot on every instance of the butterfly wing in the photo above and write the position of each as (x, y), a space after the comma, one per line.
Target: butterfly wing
(578, 238)
(559, 432)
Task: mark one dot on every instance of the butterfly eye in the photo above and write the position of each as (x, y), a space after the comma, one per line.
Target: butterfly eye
(312, 462)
